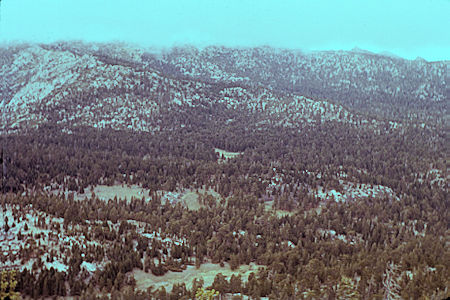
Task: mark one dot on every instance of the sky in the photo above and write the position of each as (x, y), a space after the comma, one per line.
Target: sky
(407, 28)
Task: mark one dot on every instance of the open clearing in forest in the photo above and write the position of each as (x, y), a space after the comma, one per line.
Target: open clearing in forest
(268, 206)
(104, 192)
(226, 154)
(207, 272)
(191, 198)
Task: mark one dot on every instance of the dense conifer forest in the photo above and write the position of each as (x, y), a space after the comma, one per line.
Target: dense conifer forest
(327, 206)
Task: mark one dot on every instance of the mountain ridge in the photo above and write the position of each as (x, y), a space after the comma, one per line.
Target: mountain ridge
(45, 83)
(367, 82)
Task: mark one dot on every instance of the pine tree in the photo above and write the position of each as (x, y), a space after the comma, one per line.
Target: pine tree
(235, 283)
(220, 283)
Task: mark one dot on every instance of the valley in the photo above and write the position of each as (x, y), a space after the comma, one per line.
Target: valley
(264, 173)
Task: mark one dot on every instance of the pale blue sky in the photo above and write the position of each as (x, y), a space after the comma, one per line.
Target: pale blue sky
(408, 28)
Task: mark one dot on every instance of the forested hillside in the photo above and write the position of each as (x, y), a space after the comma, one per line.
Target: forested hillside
(241, 157)
(373, 84)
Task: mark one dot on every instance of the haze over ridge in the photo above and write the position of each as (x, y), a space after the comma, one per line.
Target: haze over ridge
(405, 28)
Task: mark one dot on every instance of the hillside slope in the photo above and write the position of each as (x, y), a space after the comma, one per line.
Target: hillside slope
(380, 85)
(59, 85)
